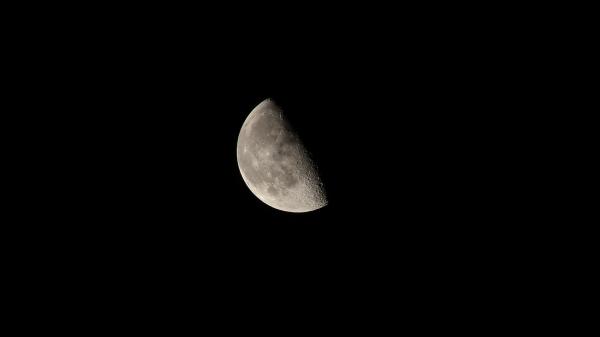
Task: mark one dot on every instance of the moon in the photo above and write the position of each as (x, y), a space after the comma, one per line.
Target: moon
(274, 163)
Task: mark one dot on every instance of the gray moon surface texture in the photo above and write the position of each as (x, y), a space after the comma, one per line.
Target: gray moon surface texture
(275, 164)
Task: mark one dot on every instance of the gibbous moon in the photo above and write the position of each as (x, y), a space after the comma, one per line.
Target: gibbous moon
(274, 163)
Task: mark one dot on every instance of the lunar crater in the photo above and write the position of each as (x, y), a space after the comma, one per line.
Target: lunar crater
(274, 163)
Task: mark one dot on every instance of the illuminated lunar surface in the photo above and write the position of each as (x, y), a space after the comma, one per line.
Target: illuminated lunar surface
(275, 164)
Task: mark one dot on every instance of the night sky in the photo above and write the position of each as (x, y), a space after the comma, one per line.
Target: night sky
(154, 161)
(140, 175)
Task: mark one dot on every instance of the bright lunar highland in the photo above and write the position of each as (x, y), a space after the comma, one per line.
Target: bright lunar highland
(275, 164)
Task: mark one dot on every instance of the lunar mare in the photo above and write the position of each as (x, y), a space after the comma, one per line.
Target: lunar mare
(275, 164)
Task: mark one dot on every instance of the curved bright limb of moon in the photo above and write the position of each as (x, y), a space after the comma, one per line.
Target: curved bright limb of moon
(274, 163)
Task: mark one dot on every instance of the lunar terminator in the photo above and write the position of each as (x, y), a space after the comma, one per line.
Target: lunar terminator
(274, 163)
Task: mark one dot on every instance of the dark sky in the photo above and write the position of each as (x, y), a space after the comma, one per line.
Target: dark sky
(140, 122)
(151, 139)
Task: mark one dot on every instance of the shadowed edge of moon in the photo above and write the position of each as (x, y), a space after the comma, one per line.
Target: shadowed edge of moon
(274, 163)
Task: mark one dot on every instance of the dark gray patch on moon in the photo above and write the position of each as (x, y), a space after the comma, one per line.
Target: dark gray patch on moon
(274, 163)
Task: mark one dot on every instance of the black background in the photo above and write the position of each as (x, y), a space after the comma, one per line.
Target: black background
(135, 178)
